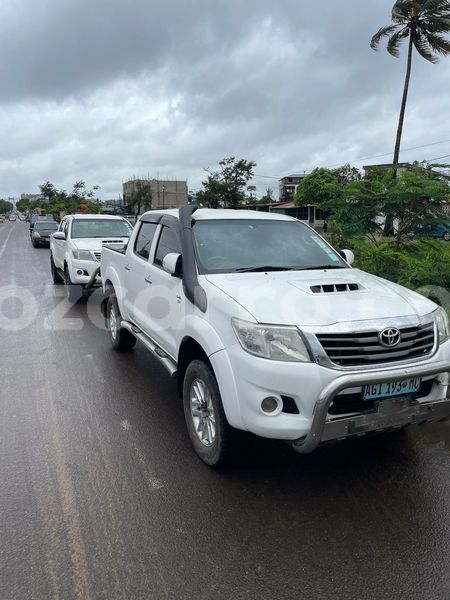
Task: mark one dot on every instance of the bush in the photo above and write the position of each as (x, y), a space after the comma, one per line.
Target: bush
(418, 264)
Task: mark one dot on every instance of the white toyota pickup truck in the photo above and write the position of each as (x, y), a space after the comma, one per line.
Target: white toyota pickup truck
(76, 248)
(271, 331)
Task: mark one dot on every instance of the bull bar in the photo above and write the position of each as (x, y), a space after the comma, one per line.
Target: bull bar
(323, 430)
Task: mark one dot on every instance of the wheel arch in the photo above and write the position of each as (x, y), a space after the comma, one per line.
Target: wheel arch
(190, 349)
(108, 288)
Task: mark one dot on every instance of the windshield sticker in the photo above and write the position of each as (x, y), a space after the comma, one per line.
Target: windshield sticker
(326, 248)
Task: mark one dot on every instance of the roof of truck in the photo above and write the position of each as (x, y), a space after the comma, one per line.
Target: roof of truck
(203, 214)
(95, 216)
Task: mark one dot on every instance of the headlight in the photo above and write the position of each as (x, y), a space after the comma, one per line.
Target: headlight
(36, 234)
(82, 255)
(442, 324)
(271, 341)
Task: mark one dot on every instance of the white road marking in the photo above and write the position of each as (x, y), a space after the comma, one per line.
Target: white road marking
(2, 249)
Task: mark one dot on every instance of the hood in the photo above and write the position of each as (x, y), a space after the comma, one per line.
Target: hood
(96, 244)
(319, 298)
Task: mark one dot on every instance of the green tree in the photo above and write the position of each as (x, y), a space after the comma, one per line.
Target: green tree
(5, 207)
(415, 198)
(423, 23)
(228, 186)
(59, 201)
(141, 198)
(318, 188)
(268, 197)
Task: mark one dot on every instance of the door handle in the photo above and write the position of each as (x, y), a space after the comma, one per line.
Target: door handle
(127, 268)
(148, 280)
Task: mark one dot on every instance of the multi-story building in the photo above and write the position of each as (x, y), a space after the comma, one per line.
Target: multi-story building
(164, 193)
(33, 197)
(288, 186)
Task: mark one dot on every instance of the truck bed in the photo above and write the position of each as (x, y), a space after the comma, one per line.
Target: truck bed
(121, 248)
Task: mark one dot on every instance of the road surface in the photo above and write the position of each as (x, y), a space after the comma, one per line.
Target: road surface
(101, 496)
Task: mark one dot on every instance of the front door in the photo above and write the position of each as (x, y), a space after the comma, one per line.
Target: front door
(167, 301)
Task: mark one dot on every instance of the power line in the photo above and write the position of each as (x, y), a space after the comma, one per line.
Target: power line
(391, 153)
(438, 158)
(375, 156)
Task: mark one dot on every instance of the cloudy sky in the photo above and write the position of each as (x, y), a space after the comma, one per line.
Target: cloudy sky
(104, 90)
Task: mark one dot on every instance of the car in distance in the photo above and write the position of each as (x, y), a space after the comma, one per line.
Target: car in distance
(42, 217)
(76, 249)
(270, 330)
(442, 231)
(12, 217)
(40, 236)
(2, 219)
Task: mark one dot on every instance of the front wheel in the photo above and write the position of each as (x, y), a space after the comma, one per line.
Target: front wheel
(121, 339)
(208, 428)
(56, 277)
(74, 291)
(447, 236)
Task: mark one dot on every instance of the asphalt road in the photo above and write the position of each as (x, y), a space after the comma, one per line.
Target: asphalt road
(101, 496)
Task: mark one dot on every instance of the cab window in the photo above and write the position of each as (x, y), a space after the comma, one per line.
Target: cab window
(144, 239)
(168, 242)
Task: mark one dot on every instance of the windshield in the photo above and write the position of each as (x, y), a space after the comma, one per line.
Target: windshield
(104, 228)
(227, 246)
(47, 226)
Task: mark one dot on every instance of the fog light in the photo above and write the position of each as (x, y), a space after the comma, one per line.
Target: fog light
(79, 272)
(271, 406)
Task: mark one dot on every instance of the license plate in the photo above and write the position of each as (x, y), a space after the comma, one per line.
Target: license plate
(394, 388)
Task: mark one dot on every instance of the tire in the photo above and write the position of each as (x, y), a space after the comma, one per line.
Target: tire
(446, 236)
(73, 291)
(212, 439)
(121, 339)
(56, 277)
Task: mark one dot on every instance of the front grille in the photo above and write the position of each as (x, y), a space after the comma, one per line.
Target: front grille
(98, 255)
(362, 349)
(353, 403)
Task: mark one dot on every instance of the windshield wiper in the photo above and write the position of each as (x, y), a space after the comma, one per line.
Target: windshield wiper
(320, 267)
(262, 269)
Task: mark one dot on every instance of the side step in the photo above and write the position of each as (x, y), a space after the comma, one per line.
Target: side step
(158, 352)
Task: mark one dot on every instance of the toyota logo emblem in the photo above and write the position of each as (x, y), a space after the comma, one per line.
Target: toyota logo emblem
(390, 337)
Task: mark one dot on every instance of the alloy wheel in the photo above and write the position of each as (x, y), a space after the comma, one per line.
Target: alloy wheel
(202, 412)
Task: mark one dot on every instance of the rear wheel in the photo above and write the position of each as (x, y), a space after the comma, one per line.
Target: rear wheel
(447, 236)
(56, 277)
(73, 291)
(121, 339)
(210, 433)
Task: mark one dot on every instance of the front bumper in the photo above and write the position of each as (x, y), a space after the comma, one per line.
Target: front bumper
(41, 241)
(82, 272)
(391, 413)
(244, 381)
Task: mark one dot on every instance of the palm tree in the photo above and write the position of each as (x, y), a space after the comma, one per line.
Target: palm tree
(424, 23)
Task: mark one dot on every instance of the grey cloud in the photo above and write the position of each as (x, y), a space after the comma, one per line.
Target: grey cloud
(106, 90)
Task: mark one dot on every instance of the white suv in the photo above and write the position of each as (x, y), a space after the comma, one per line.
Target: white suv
(76, 248)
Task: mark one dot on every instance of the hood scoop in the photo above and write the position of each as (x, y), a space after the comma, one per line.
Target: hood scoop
(334, 288)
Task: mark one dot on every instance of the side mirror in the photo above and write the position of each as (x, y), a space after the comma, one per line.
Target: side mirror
(59, 235)
(172, 264)
(348, 256)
